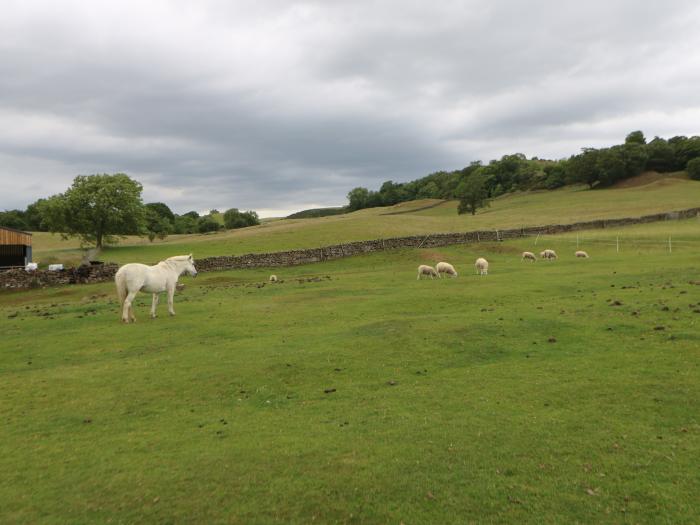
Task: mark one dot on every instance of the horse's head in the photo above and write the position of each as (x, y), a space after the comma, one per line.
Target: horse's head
(189, 268)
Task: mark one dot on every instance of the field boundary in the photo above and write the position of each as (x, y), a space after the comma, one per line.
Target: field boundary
(414, 210)
(20, 279)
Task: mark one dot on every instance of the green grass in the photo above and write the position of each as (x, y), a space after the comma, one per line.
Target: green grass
(511, 211)
(219, 415)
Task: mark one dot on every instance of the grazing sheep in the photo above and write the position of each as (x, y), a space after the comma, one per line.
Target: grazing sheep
(443, 267)
(548, 254)
(581, 253)
(529, 255)
(273, 278)
(424, 269)
(482, 266)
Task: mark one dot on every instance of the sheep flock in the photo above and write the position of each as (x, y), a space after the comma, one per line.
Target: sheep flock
(482, 265)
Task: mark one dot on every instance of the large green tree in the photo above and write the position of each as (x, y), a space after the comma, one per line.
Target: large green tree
(358, 198)
(96, 208)
(472, 193)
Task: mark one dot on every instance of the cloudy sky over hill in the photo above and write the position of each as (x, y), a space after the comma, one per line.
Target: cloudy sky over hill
(278, 106)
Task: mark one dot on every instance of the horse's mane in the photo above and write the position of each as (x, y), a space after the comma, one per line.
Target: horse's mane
(176, 258)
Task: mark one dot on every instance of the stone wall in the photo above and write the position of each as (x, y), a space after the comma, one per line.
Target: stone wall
(99, 273)
(19, 278)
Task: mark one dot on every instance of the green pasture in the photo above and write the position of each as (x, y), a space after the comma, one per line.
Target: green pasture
(350, 392)
(570, 204)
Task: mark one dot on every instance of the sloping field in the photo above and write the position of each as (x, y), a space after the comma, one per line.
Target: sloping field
(350, 392)
(527, 209)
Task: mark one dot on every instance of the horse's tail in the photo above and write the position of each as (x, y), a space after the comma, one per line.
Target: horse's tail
(120, 281)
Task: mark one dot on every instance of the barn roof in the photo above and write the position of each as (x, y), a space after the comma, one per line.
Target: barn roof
(15, 230)
(12, 236)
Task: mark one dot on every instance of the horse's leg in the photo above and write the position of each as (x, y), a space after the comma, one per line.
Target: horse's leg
(171, 293)
(128, 311)
(154, 304)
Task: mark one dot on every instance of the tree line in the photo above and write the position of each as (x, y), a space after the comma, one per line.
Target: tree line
(475, 184)
(100, 208)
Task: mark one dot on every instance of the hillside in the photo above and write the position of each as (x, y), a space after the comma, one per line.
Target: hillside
(565, 205)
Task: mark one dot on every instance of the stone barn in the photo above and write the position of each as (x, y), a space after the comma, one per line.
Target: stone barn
(15, 247)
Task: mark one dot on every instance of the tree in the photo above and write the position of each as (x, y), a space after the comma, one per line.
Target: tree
(162, 210)
(156, 225)
(661, 155)
(391, 193)
(472, 193)
(429, 191)
(582, 168)
(636, 137)
(237, 219)
(635, 157)
(357, 198)
(96, 208)
(610, 166)
(555, 175)
(207, 224)
(684, 150)
(160, 220)
(192, 215)
(185, 223)
(33, 216)
(13, 219)
(693, 168)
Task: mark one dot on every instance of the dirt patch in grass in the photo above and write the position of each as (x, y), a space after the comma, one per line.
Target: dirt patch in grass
(433, 256)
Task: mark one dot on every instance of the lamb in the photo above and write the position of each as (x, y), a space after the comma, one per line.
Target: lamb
(424, 269)
(548, 254)
(529, 255)
(443, 267)
(581, 253)
(273, 278)
(482, 266)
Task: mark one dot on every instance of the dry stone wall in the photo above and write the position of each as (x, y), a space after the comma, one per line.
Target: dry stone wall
(18, 278)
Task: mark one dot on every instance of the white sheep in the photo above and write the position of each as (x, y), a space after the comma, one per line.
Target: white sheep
(482, 266)
(548, 254)
(424, 269)
(443, 267)
(581, 253)
(528, 255)
(273, 278)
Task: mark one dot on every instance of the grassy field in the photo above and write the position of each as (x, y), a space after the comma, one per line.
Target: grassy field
(547, 392)
(527, 209)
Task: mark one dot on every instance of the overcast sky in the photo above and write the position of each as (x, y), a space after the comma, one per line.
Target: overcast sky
(278, 106)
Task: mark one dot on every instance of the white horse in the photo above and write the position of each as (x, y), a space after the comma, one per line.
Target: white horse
(134, 277)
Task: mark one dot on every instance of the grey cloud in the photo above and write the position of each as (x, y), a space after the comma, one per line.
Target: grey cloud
(279, 105)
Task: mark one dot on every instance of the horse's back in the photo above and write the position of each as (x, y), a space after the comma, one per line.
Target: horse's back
(132, 272)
